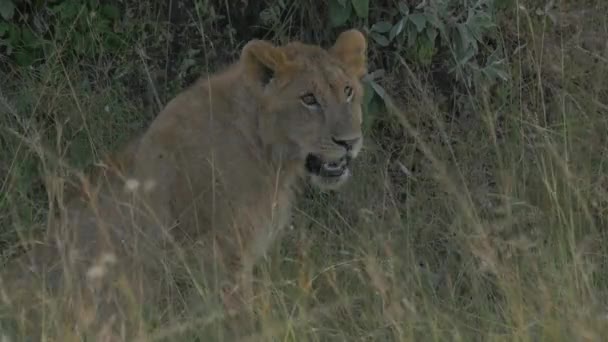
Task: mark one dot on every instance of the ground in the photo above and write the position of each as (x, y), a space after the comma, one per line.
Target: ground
(477, 210)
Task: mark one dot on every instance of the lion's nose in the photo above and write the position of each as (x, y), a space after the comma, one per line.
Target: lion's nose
(346, 143)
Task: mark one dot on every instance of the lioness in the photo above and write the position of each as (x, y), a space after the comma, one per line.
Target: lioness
(220, 164)
(224, 156)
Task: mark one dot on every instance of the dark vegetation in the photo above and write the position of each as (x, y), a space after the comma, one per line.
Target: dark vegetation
(478, 211)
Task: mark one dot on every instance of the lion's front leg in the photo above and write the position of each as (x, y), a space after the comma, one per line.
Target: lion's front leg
(245, 249)
(254, 227)
(237, 291)
(235, 272)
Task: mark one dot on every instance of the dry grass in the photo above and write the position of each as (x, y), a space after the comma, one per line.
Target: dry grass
(487, 226)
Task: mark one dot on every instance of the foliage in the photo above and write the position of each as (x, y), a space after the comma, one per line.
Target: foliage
(86, 28)
(426, 27)
(483, 219)
(432, 32)
(340, 11)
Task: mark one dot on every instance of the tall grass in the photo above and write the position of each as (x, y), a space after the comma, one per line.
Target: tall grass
(488, 224)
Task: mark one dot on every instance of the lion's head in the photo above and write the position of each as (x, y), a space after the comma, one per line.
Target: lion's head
(311, 102)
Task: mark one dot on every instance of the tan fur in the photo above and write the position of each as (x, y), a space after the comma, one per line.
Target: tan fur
(219, 165)
(226, 154)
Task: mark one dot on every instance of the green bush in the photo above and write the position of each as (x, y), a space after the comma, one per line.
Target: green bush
(477, 210)
(82, 28)
(447, 28)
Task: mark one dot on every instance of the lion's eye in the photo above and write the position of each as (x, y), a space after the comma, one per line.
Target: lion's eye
(309, 100)
(348, 90)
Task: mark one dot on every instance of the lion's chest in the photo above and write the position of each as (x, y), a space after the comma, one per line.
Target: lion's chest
(219, 185)
(243, 203)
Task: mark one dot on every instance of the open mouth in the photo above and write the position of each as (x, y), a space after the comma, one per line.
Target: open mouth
(315, 165)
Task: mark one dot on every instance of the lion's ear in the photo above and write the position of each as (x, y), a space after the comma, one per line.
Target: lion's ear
(262, 60)
(351, 49)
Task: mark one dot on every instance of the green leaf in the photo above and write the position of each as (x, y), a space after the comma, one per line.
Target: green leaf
(435, 21)
(396, 30)
(381, 27)
(29, 39)
(380, 39)
(480, 19)
(110, 12)
(425, 50)
(466, 47)
(419, 20)
(3, 29)
(82, 45)
(371, 112)
(464, 38)
(14, 35)
(368, 93)
(98, 24)
(24, 58)
(338, 14)
(67, 10)
(372, 104)
(501, 74)
(7, 9)
(379, 90)
(412, 34)
(376, 106)
(113, 41)
(361, 7)
(431, 34)
(466, 56)
(494, 73)
(478, 23)
(403, 8)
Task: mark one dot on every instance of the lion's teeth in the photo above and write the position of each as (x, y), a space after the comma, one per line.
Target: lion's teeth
(335, 168)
